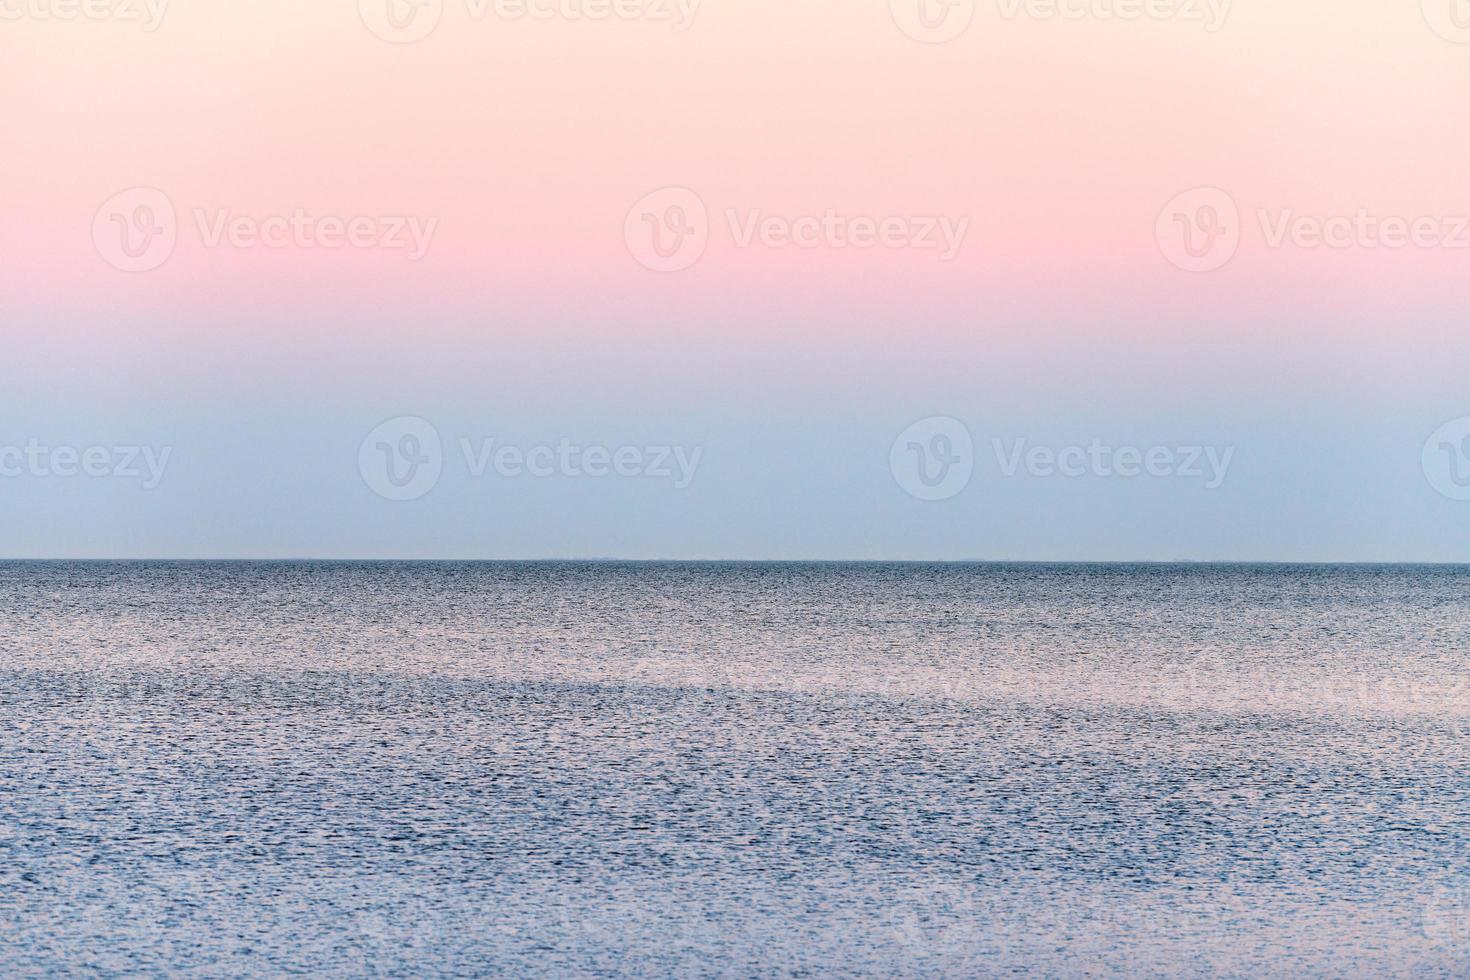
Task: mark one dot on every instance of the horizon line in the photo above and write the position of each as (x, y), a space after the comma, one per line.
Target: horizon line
(741, 561)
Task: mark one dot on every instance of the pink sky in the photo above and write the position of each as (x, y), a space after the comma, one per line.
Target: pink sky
(528, 142)
(1060, 145)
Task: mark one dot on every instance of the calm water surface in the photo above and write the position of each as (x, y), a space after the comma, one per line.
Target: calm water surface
(592, 769)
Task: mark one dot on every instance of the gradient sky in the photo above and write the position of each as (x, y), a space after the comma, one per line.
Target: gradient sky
(531, 320)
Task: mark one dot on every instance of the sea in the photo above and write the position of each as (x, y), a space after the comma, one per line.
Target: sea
(734, 769)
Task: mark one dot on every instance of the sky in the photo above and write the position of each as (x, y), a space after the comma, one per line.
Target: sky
(735, 279)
